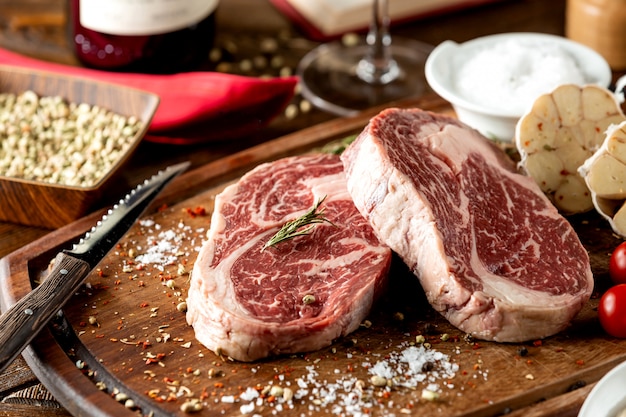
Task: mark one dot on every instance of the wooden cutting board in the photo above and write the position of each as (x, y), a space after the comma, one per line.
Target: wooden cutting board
(122, 346)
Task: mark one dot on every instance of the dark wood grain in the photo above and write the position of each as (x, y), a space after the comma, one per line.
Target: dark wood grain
(21, 322)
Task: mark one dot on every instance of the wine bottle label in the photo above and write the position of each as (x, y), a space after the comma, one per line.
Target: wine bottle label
(143, 17)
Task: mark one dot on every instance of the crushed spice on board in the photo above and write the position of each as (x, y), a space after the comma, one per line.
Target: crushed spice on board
(370, 383)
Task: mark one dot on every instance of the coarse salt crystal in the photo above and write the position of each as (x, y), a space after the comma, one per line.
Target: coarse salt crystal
(249, 394)
(511, 74)
(247, 408)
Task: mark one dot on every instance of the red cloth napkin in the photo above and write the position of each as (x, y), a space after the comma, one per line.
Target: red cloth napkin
(194, 106)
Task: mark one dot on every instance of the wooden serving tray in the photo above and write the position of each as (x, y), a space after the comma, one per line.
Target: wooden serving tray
(122, 347)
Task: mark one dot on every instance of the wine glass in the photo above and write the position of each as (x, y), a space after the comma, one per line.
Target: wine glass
(345, 80)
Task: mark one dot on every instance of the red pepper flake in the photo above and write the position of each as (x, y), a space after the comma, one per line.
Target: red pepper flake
(144, 304)
(204, 395)
(99, 336)
(537, 343)
(194, 212)
(529, 361)
(162, 208)
(146, 344)
(476, 345)
(219, 385)
(199, 211)
(580, 362)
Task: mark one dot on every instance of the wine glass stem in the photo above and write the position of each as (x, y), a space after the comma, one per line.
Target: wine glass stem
(378, 65)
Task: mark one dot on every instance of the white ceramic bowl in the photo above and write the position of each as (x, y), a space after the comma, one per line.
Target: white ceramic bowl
(499, 123)
(608, 396)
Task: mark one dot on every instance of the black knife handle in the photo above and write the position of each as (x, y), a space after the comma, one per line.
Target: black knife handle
(21, 323)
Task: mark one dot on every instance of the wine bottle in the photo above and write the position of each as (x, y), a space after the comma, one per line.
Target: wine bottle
(149, 36)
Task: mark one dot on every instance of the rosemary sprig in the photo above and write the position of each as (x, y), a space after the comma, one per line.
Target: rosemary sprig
(303, 225)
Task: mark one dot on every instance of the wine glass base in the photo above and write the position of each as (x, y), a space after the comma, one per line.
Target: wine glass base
(328, 76)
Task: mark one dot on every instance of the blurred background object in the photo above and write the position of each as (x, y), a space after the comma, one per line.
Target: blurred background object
(601, 25)
(155, 37)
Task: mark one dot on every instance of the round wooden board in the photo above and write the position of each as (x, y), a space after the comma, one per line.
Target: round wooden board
(123, 347)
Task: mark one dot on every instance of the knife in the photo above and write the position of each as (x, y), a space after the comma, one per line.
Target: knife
(21, 323)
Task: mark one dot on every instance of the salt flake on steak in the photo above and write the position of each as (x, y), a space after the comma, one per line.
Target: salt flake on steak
(297, 296)
(492, 253)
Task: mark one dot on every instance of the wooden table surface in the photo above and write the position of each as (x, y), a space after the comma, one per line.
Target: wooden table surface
(37, 28)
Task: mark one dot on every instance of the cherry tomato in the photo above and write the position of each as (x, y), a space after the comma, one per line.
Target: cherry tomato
(617, 264)
(612, 311)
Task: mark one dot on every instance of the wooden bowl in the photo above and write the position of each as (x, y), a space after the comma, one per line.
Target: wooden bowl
(51, 205)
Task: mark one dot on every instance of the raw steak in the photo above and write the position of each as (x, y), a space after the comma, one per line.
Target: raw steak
(249, 304)
(491, 252)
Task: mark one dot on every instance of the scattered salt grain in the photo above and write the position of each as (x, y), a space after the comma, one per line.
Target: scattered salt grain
(166, 245)
(230, 399)
(407, 366)
(146, 222)
(249, 394)
(247, 408)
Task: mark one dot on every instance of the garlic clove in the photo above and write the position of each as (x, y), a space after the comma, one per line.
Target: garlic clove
(558, 134)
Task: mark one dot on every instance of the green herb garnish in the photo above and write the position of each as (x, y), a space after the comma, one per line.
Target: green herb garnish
(338, 146)
(303, 225)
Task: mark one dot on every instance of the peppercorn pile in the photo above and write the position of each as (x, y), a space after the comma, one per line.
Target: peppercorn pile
(51, 140)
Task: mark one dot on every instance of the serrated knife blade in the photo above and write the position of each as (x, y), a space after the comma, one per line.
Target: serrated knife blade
(24, 320)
